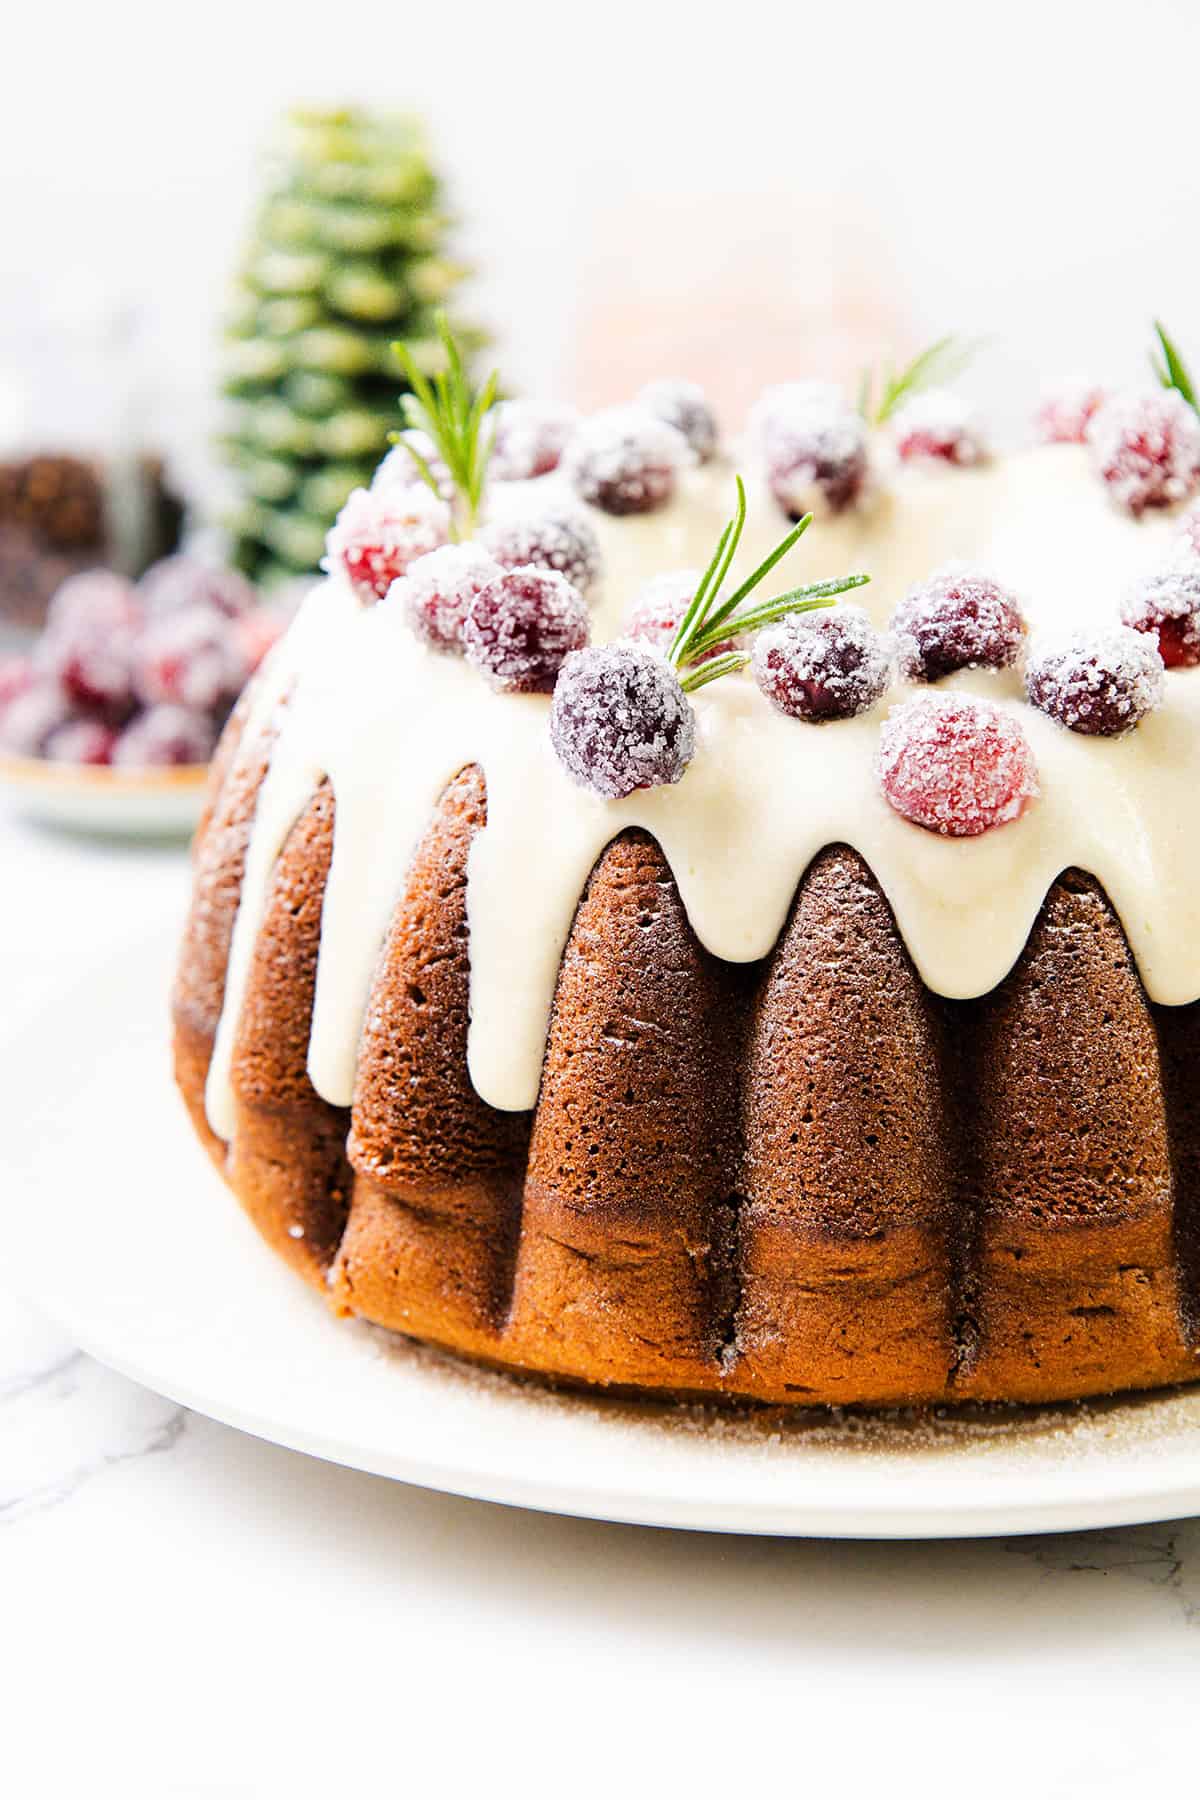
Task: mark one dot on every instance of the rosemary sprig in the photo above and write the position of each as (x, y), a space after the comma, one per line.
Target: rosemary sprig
(1171, 370)
(942, 362)
(709, 620)
(454, 416)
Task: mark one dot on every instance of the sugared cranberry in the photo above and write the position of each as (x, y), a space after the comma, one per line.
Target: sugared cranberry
(87, 743)
(955, 765)
(1145, 445)
(182, 583)
(95, 601)
(165, 737)
(399, 470)
(438, 590)
(1102, 685)
(657, 607)
(378, 534)
(529, 438)
(1065, 417)
(1167, 606)
(620, 720)
(684, 405)
(191, 659)
(521, 626)
(29, 721)
(16, 678)
(821, 665)
(559, 537)
(815, 447)
(938, 426)
(1187, 536)
(92, 663)
(257, 634)
(625, 460)
(958, 619)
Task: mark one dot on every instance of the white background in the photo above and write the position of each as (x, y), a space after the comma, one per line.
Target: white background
(748, 191)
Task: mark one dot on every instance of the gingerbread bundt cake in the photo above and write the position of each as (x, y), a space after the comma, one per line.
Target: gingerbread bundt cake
(837, 1040)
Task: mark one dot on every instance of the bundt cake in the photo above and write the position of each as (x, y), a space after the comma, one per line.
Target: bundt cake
(796, 1074)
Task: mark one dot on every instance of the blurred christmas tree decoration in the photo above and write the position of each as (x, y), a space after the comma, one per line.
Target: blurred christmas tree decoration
(347, 255)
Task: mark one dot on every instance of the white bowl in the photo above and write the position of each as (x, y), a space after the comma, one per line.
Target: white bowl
(122, 802)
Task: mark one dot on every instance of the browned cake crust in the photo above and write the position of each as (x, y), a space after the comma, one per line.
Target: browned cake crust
(806, 1180)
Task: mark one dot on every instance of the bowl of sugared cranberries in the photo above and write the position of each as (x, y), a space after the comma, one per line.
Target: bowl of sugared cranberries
(110, 720)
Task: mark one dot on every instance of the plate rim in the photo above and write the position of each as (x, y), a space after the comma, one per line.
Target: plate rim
(1133, 1490)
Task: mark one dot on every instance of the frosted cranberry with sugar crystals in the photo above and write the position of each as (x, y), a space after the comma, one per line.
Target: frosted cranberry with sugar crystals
(165, 737)
(1101, 685)
(190, 658)
(379, 533)
(16, 678)
(521, 627)
(438, 590)
(1065, 417)
(815, 446)
(96, 600)
(938, 427)
(955, 765)
(683, 404)
(1145, 446)
(29, 720)
(529, 438)
(93, 662)
(822, 665)
(559, 537)
(86, 743)
(182, 583)
(957, 619)
(625, 460)
(657, 607)
(1187, 536)
(399, 470)
(620, 721)
(1167, 607)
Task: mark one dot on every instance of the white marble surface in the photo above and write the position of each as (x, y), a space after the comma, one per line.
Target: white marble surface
(188, 1611)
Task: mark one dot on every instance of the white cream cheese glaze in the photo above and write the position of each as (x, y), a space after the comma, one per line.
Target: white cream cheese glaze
(390, 723)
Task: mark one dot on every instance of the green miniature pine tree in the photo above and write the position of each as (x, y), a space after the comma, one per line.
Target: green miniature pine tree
(346, 257)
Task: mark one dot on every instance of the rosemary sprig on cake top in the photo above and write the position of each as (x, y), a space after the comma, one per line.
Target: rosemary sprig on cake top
(936, 366)
(1170, 368)
(709, 623)
(448, 425)
(621, 718)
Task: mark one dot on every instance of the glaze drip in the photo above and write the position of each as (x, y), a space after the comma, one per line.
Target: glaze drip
(390, 722)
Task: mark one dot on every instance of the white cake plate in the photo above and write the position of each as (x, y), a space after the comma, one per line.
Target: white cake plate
(127, 1238)
(133, 803)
